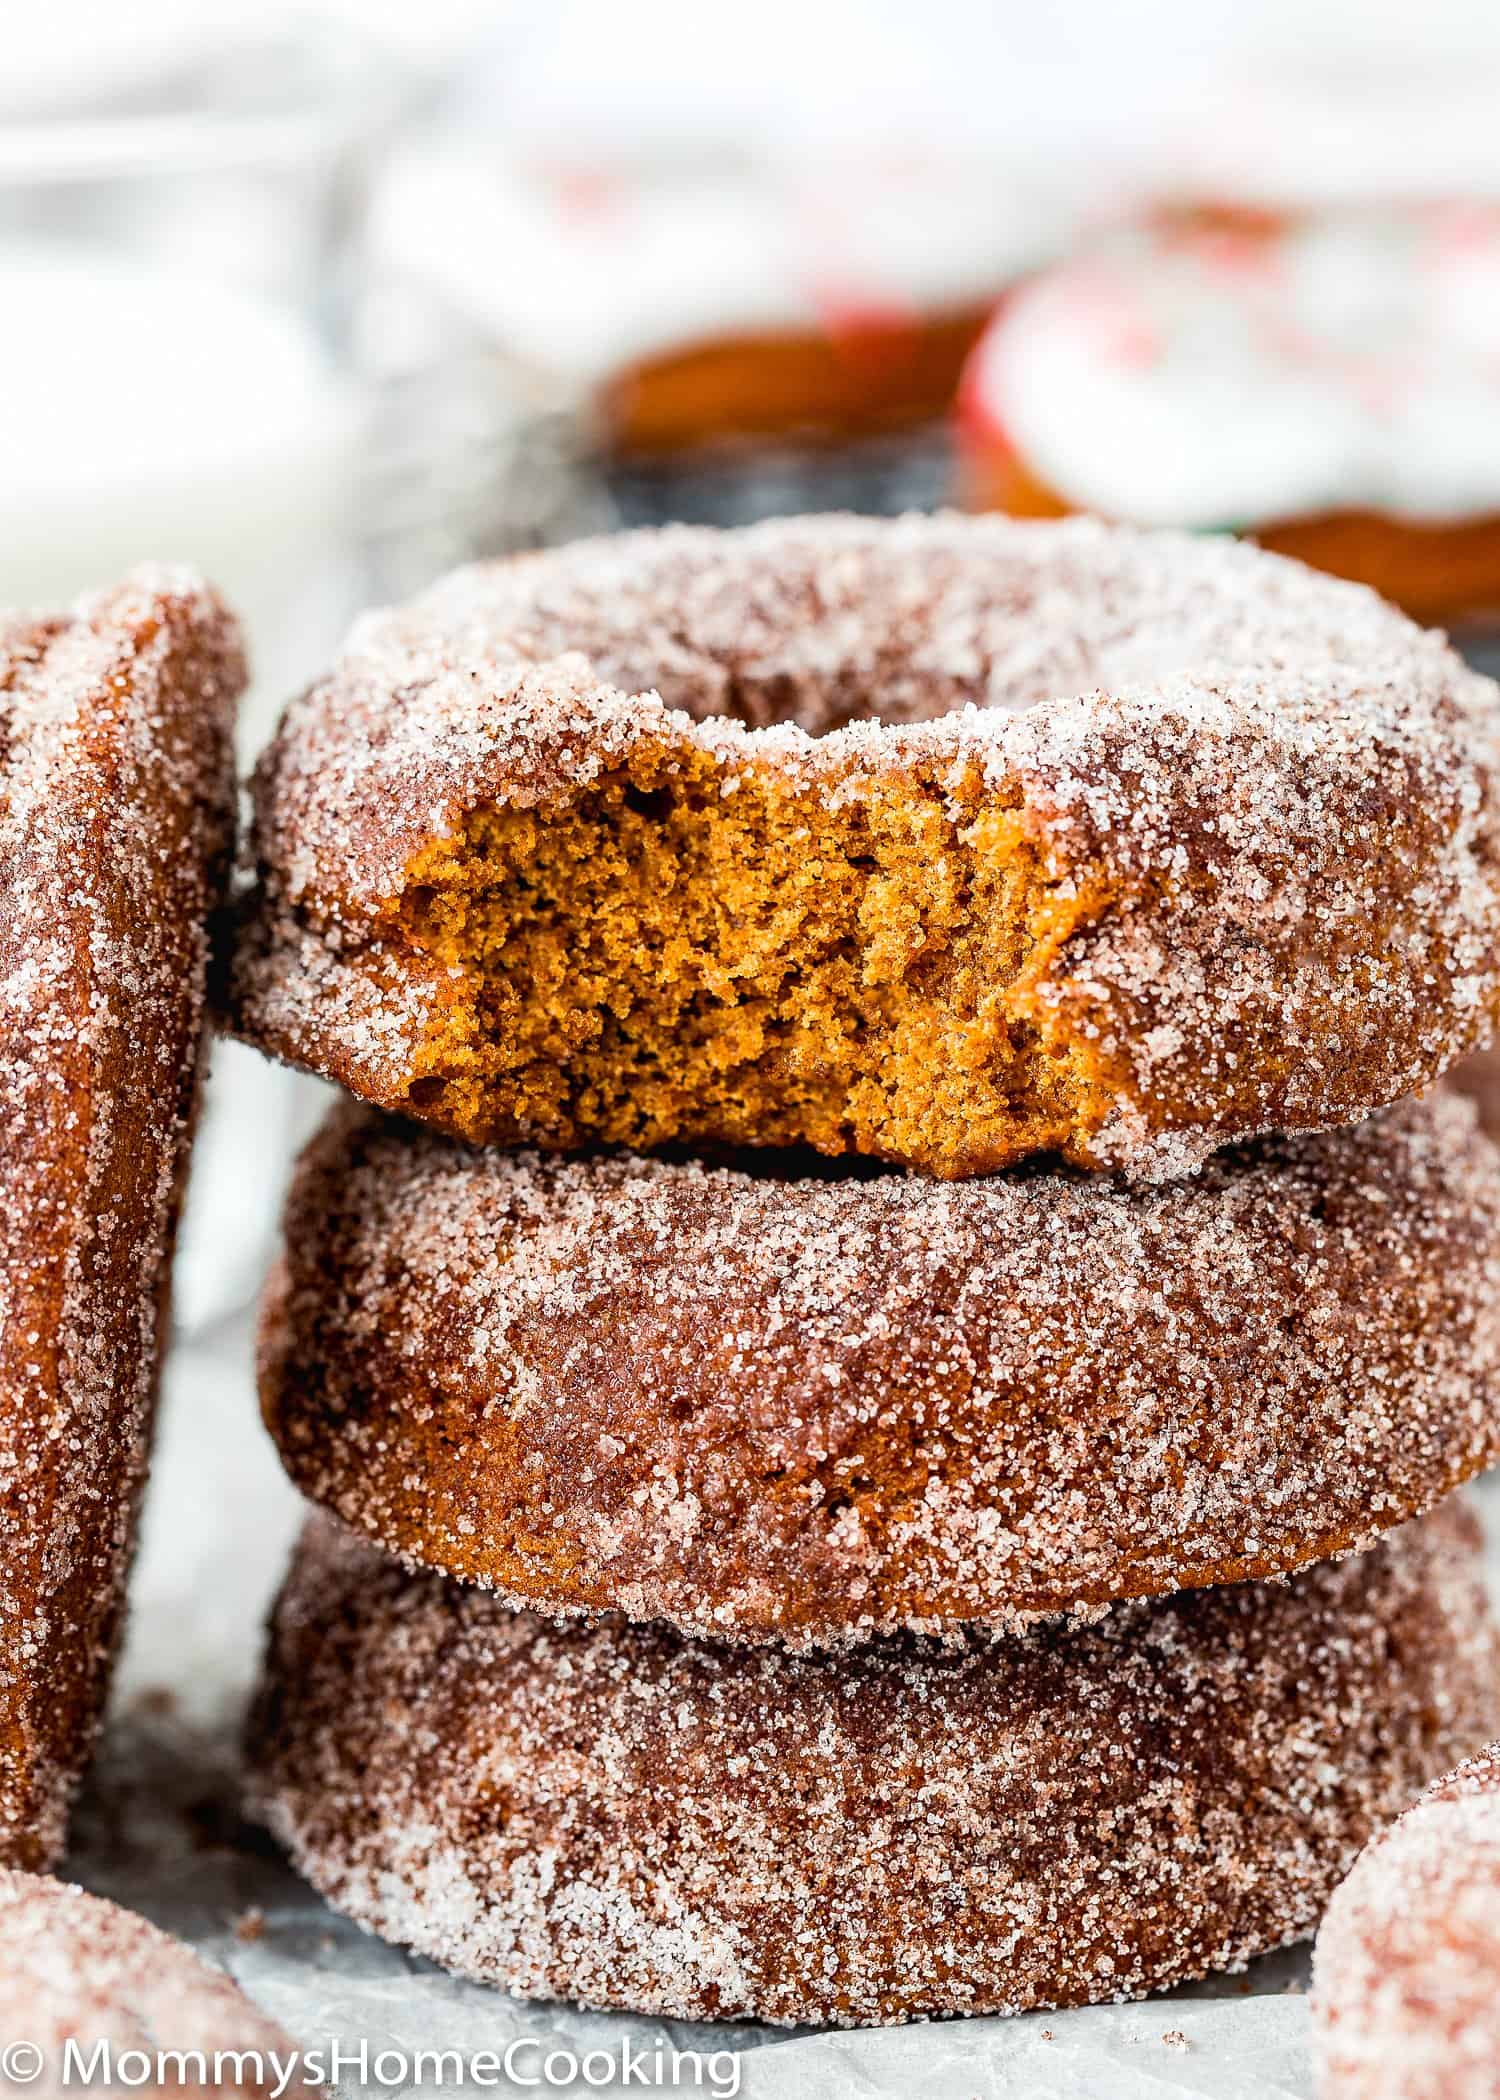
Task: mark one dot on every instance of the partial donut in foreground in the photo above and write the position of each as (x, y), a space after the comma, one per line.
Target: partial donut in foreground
(612, 1814)
(811, 1408)
(945, 841)
(84, 1982)
(1406, 1974)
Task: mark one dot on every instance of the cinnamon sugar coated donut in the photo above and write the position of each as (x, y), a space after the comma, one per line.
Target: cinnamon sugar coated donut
(116, 821)
(611, 1814)
(1406, 1976)
(948, 841)
(816, 1408)
(79, 1970)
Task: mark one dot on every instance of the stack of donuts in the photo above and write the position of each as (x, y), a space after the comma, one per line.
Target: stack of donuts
(883, 1346)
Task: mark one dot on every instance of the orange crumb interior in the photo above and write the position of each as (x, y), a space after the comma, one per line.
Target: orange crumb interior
(659, 959)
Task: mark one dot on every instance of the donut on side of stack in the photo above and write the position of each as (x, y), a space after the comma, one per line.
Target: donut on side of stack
(774, 1550)
(117, 808)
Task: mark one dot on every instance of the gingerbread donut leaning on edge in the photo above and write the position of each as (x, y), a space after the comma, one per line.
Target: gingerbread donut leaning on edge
(810, 1409)
(1406, 1974)
(610, 1814)
(944, 840)
(88, 1984)
(116, 824)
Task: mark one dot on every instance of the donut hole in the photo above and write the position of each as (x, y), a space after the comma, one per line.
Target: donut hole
(679, 953)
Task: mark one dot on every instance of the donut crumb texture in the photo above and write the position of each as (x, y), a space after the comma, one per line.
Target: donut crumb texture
(672, 955)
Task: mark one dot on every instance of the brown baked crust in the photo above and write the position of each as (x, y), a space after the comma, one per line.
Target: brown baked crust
(1406, 1974)
(1233, 826)
(81, 1970)
(116, 822)
(813, 1408)
(610, 1814)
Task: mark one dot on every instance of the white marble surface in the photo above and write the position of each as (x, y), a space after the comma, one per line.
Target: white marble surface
(159, 1830)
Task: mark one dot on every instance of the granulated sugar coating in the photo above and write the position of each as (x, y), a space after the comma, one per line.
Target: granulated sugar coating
(943, 840)
(811, 1408)
(78, 1969)
(611, 1814)
(116, 820)
(1406, 1974)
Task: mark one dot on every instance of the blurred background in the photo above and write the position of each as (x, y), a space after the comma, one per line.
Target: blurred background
(326, 299)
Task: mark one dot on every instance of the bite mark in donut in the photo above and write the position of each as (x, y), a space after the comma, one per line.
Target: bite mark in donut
(673, 951)
(945, 841)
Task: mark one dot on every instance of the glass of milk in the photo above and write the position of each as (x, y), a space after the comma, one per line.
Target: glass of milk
(177, 243)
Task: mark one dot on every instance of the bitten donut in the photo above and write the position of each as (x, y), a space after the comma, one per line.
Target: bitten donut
(655, 838)
(814, 1408)
(1406, 1975)
(1326, 380)
(116, 819)
(80, 1973)
(611, 1814)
